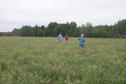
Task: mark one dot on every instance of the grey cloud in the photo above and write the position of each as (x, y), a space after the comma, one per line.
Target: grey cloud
(15, 13)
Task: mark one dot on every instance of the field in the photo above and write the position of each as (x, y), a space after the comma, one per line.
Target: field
(41, 60)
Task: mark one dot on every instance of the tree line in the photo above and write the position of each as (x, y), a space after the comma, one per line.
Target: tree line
(54, 28)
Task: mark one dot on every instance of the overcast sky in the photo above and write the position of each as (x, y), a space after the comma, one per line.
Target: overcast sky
(15, 13)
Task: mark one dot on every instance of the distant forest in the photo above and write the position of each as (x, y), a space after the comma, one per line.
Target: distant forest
(53, 29)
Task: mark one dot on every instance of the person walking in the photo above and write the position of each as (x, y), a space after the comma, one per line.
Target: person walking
(81, 41)
(60, 37)
(66, 37)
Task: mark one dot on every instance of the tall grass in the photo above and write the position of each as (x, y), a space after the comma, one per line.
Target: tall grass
(30, 60)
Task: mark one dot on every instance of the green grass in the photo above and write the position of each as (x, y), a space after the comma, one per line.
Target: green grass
(30, 60)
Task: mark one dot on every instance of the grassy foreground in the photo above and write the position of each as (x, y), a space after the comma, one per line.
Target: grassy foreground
(30, 60)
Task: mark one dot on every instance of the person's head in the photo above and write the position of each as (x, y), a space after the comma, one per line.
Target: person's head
(82, 35)
(60, 33)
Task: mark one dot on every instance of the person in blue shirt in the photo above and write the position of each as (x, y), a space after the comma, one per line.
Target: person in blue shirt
(81, 41)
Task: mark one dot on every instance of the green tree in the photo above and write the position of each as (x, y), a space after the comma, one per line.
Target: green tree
(41, 31)
(35, 30)
(89, 30)
(50, 31)
(16, 32)
(121, 27)
(26, 31)
(72, 29)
